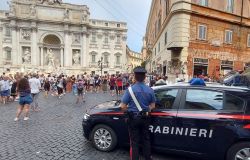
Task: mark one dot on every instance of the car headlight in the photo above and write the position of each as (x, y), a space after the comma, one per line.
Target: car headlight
(86, 116)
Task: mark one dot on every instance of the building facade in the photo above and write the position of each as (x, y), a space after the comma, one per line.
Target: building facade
(134, 59)
(51, 36)
(185, 38)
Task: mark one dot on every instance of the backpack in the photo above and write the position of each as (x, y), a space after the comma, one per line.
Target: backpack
(80, 85)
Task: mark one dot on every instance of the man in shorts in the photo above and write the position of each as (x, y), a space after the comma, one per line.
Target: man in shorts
(35, 86)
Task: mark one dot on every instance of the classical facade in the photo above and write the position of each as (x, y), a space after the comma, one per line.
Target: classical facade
(185, 38)
(52, 36)
(134, 59)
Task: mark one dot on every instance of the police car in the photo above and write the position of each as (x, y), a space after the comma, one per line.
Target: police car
(210, 121)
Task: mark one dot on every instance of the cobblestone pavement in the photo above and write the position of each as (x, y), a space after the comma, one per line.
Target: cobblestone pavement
(54, 133)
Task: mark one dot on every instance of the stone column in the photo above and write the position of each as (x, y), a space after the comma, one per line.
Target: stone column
(84, 51)
(66, 49)
(34, 57)
(42, 56)
(62, 57)
(19, 48)
(14, 55)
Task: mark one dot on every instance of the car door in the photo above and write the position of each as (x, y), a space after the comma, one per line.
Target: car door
(164, 117)
(207, 121)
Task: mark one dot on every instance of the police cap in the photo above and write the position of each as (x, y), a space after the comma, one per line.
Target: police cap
(140, 70)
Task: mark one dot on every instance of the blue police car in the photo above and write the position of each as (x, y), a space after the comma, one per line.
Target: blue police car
(210, 121)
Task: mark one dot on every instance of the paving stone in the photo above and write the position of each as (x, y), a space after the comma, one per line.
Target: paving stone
(55, 132)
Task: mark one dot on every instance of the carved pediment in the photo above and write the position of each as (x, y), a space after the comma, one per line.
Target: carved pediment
(50, 2)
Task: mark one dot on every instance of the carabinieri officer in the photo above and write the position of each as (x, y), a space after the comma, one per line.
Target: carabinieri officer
(138, 101)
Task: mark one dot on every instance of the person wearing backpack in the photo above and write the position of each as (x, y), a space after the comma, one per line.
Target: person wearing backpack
(80, 88)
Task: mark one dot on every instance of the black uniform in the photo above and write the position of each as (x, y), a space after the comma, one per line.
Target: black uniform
(139, 121)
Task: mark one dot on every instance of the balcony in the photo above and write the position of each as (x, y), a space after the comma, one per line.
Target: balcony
(93, 64)
(106, 46)
(7, 62)
(118, 65)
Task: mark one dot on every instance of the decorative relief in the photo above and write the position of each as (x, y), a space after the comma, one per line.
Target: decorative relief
(26, 34)
(76, 38)
(50, 2)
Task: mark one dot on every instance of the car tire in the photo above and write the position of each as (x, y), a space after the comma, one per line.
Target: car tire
(238, 149)
(103, 138)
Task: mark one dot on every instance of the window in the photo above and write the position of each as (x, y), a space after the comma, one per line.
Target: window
(203, 100)
(8, 55)
(155, 29)
(202, 32)
(118, 25)
(159, 46)
(159, 22)
(7, 31)
(93, 37)
(93, 58)
(118, 38)
(248, 40)
(106, 58)
(233, 103)
(155, 50)
(230, 6)
(203, 2)
(167, 7)
(106, 24)
(166, 38)
(165, 99)
(106, 39)
(228, 36)
(118, 59)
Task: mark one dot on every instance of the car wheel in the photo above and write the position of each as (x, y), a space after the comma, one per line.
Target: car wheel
(103, 138)
(239, 151)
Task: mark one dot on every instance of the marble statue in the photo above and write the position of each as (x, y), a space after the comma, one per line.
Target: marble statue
(32, 10)
(27, 56)
(50, 58)
(66, 14)
(76, 58)
(12, 8)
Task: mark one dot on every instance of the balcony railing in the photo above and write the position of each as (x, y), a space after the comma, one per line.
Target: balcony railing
(7, 62)
(93, 64)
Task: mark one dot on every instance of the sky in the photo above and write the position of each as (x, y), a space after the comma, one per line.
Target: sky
(134, 12)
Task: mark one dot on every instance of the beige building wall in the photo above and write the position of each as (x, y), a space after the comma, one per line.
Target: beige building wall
(175, 18)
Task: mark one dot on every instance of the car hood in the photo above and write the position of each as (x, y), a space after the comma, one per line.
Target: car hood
(110, 106)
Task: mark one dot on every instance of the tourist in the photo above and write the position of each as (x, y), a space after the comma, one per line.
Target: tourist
(25, 99)
(46, 87)
(80, 88)
(119, 85)
(105, 84)
(60, 87)
(69, 85)
(35, 86)
(91, 83)
(112, 85)
(5, 86)
(13, 90)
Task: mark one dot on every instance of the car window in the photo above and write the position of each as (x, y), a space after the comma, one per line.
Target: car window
(165, 98)
(203, 100)
(233, 103)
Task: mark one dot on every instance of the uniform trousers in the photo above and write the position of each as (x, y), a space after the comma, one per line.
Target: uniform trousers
(138, 128)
